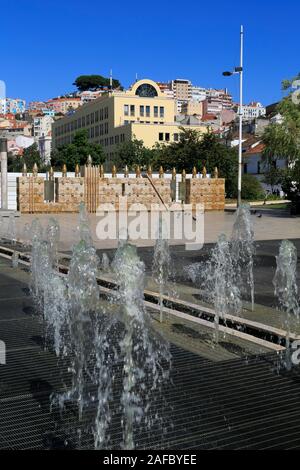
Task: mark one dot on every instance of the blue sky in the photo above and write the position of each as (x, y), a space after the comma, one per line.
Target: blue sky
(46, 44)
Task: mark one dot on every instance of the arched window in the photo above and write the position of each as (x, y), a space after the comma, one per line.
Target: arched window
(146, 90)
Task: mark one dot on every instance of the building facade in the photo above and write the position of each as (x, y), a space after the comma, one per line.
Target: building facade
(192, 107)
(12, 106)
(63, 105)
(3, 106)
(253, 110)
(42, 126)
(87, 96)
(142, 112)
(198, 93)
(45, 147)
(182, 90)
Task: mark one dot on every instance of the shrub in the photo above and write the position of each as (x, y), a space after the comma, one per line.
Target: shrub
(252, 190)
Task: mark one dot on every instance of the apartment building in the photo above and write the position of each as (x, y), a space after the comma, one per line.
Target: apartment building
(12, 106)
(3, 106)
(45, 147)
(63, 105)
(142, 112)
(198, 93)
(42, 126)
(192, 107)
(253, 110)
(87, 96)
(182, 90)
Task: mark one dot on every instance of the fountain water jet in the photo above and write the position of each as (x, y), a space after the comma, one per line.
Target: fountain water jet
(11, 229)
(106, 357)
(161, 265)
(26, 235)
(83, 299)
(286, 289)
(52, 237)
(84, 229)
(142, 349)
(105, 262)
(225, 294)
(243, 250)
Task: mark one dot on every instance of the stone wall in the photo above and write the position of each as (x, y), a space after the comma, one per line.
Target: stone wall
(31, 195)
(209, 191)
(71, 191)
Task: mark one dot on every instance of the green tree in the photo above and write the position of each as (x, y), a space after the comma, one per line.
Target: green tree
(282, 140)
(14, 163)
(92, 82)
(194, 149)
(287, 83)
(132, 153)
(252, 190)
(31, 155)
(77, 152)
(184, 154)
(215, 154)
(290, 182)
(272, 176)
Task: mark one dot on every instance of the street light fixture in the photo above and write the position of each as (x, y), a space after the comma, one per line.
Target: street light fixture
(239, 70)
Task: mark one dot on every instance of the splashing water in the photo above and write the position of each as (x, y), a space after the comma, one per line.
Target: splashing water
(83, 299)
(11, 229)
(26, 235)
(161, 266)
(2, 227)
(67, 305)
(47, 286)
(36, 267)
(105, 262)
(40, 268)
(106, 357)
(194, 271)
(36, 230)
(225, 294)
(56, 310)
(286, 289)
(97, 341)
(84, 229)
(52, 237)
(15, 259)
(143, 351)
(242, 247)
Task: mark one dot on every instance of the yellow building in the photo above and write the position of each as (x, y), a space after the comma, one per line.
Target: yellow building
(142, 112)
(192, 107)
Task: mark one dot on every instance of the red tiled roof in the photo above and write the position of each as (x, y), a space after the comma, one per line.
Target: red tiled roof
(63, 99)
(256, 149)
(208, 117)
(250, 140)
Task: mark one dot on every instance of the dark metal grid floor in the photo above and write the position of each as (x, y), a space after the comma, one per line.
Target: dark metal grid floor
(224, 404)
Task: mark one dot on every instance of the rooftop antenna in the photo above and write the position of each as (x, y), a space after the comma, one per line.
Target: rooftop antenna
(136, 76)
(110, 80)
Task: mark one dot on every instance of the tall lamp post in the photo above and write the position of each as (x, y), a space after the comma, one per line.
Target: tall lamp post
(239, 70)
(3, 160)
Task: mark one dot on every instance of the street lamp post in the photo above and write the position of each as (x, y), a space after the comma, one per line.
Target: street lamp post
(3, 160)
(239, 70)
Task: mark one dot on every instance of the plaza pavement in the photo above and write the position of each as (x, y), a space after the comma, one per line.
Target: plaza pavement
(268, 225)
